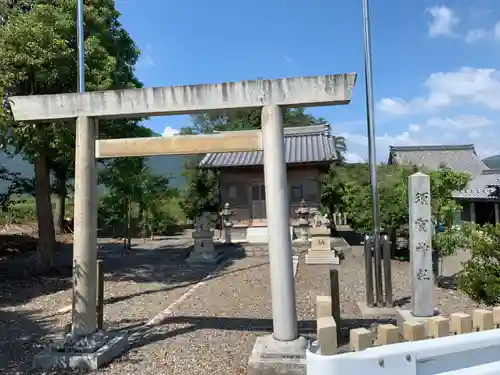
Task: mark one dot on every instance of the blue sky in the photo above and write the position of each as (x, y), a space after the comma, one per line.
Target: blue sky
(436, 72)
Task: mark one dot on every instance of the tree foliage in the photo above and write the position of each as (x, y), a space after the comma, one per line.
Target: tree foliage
(352, 187)
(480, 275)
(38, 56)
(201, 193)
(393, 195)
(132, 186)
(243, 119)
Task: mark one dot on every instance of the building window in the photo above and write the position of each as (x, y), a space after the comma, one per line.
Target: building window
(296, 192)
(310, 190)
(232, 192)
(236, 195)
(258, 192)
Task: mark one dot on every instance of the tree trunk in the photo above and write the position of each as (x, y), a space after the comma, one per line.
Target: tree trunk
(60, 209)
(129, 223)
(46, 233)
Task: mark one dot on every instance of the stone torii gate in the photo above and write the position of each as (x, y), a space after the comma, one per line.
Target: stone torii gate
(270, 95)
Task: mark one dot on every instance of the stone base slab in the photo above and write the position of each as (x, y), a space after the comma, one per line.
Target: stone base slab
(404, 315)
(204, 258)
(89, 353)
(272, 357)
(376, 312)
(322, 257)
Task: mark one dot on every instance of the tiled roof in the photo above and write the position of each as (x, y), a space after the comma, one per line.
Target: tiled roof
(307, 144)
(484, 186)
(460, 158)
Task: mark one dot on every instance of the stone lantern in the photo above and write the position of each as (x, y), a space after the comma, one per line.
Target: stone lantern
(303, 223)
(227, 224)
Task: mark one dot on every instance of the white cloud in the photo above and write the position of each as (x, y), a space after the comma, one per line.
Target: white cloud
(463, 122)
(464, 129)
(476, 35)
(383, 141)
(445, 89)
(414, 128)
(472, 36)
(352, 157)
(474, 134)
(443, 21)
(145, 58)
(170, 131)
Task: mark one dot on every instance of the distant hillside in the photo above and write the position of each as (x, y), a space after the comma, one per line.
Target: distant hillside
(164, 165)
(493, 162)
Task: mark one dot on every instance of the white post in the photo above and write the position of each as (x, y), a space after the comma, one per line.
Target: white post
(280, 245)
(419, 197)
(472, 212)
(84, 320)
(497, 214)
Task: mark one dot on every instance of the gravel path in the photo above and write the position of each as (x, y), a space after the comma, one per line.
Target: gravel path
(210, 326)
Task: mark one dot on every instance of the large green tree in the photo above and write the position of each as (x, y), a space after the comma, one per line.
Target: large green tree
(38, 56)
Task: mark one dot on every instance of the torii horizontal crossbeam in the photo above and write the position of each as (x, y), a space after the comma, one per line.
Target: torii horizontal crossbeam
(332, 89)
(234, 141)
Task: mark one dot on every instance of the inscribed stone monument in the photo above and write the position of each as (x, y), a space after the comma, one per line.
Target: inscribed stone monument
(422, 279)
(203, 251)
(419, 197)
(321, 251)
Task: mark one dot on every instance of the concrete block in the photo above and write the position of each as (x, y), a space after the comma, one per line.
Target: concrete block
(360, 339)
(438, 326)
(323, 306)
(92, 357)
(403, 315)
(460, 323)
(273, 357)
(496, 316)
(327, 335)
(413, 331)
(482, 320)
(388, 334)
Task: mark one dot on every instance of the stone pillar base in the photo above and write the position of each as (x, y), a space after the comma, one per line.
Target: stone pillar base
(322, 257)
(270, 356)
(204, 258)
(404, 315)
(89, 352)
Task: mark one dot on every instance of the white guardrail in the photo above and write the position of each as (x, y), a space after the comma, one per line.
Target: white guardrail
(476, 353)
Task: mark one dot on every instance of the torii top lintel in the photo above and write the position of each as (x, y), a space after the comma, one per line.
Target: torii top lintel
(332, 89)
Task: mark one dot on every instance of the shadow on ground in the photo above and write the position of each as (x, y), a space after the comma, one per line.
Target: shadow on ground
(307, 328)
(352, 237)
(162, 261)
(213, 275)
(18, 332)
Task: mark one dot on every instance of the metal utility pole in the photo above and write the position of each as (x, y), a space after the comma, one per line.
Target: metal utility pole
(81, 45)
(372, 157)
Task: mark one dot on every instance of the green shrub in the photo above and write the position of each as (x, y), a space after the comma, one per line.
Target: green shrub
(480, 276)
